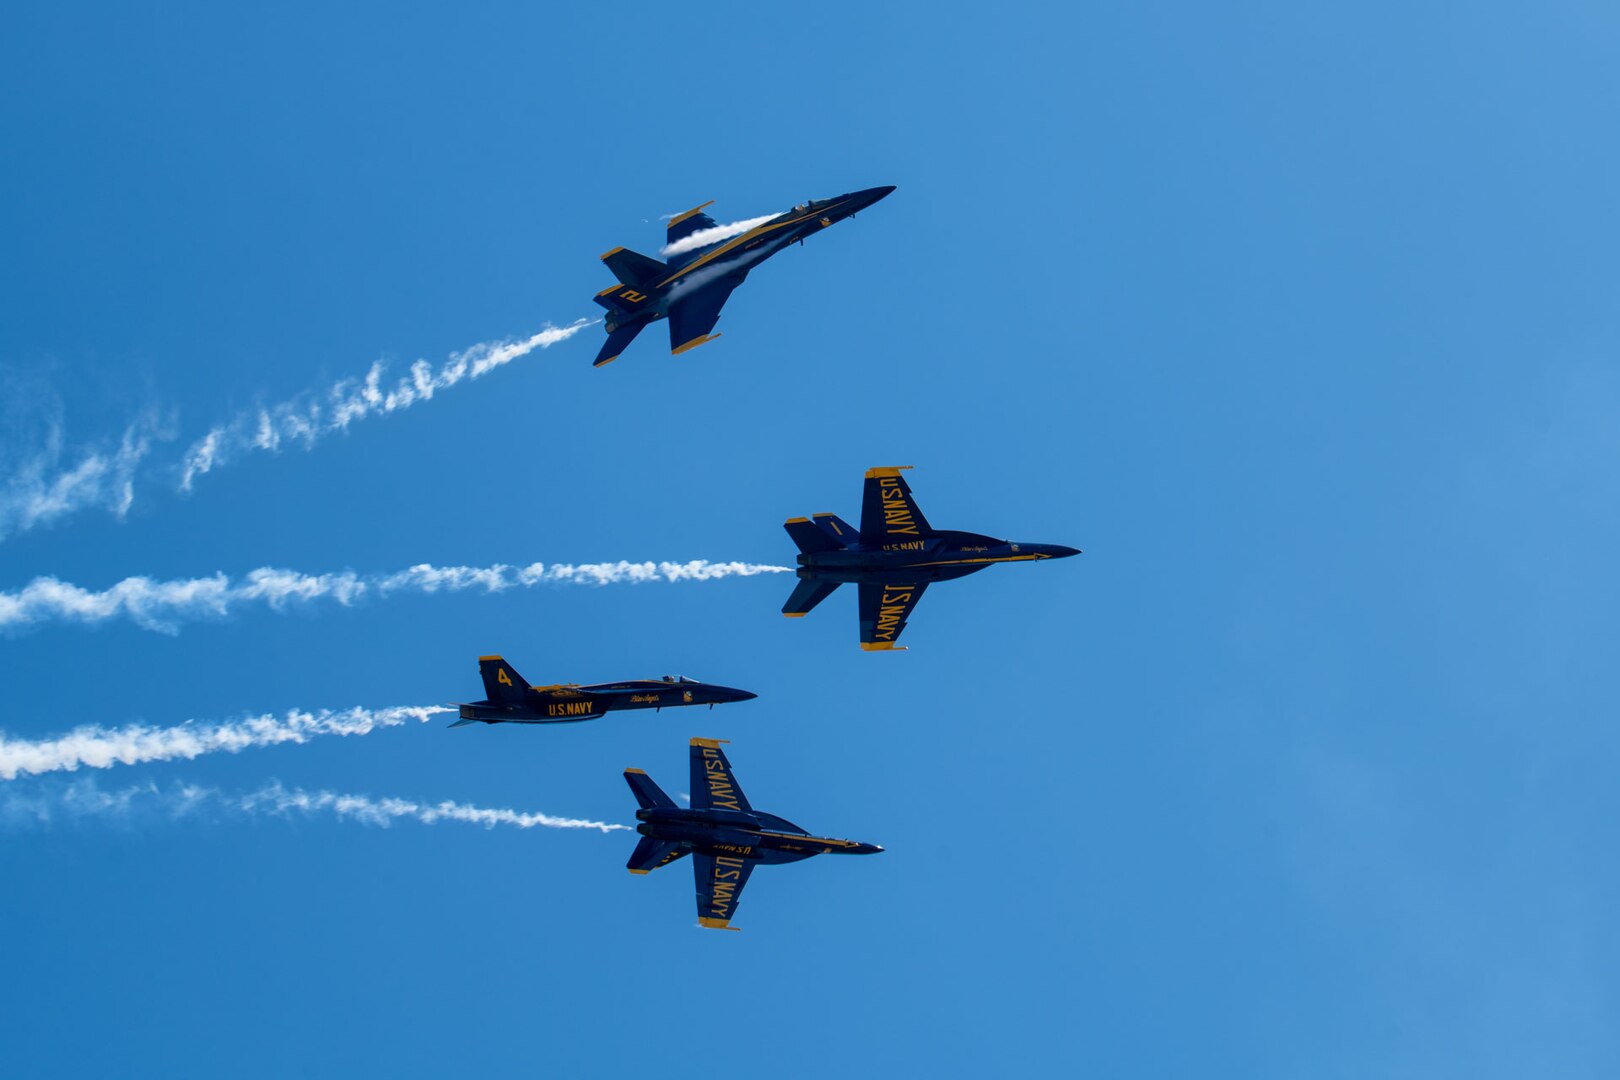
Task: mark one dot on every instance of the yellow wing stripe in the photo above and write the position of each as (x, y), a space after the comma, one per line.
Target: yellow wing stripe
(882, 646)
(759, 230)
(885, 470)
(712, 744)
(715, 924)
(701, 339)
(678, 218)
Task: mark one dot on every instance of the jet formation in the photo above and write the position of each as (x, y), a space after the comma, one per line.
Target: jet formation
(723, 833)
(512, 700)
(893, 557)
(704, 266)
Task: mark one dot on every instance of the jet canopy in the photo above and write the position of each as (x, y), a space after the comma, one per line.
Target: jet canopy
(677, 679)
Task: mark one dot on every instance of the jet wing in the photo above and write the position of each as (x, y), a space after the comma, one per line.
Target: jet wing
(884, 611)
(694, 314)
(713, 785)
(720, 880)
(889, 513)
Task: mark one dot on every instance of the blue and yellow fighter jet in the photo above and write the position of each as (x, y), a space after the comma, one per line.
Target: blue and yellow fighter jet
(893, 558)
(513, 701)
(725, 836)
(705, 265)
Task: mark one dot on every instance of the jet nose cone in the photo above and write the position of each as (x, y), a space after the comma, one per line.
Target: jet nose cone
(1059, 551)
(860, 200)
(727, 694)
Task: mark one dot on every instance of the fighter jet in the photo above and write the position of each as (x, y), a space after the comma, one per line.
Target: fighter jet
(893, 558)
(725, 836)
(512, 700)
(705, 263)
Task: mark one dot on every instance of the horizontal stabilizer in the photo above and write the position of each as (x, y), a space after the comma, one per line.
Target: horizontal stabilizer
(838, 527)
(618, 340)
(464, 721)
(625, 299)
(648, 794)
(812, 536)
(634, 268)
(806, 595)
(651, 854)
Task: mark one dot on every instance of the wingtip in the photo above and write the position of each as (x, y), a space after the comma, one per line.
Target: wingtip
(678, 218)
(701, 339)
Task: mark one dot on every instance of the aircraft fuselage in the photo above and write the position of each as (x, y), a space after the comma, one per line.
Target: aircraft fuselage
(565, 704)
(939, 557)
(741, 834)
(736, 256)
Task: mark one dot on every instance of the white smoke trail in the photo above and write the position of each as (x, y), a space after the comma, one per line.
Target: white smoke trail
(307, 418)
(41, 489)
(96, 747)
(384, 812)
(705, 237)
(84, 799)
(163, 605)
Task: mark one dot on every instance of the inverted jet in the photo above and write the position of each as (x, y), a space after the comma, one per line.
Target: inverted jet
(725, 836)
(893, 557)
(705, 262)
(511, 700)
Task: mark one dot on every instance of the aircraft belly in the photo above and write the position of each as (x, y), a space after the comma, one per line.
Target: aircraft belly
(705, 838)
(775, 856)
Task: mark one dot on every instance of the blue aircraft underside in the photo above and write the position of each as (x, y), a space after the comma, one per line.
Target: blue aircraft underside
(723, 833)
(694, 284)
(892, 558)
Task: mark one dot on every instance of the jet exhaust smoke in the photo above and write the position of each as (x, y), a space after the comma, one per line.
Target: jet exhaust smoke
(96, 747)
(42, 489)
(306, 419)
(52, 482)
(163, 605)
(705, 237)
(84, 799)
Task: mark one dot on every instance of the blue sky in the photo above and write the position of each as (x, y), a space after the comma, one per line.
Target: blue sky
(1300, 323)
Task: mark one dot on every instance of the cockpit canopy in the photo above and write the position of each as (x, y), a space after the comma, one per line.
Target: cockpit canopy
(678, 679)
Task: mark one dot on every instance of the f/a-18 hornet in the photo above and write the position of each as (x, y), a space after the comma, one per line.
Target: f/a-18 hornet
(512, 700)
(725, 836)
(893, 558)
(706, 262)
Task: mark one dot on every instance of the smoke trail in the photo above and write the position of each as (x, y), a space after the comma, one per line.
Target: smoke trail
(163, 605)
(84, 799)
(705, 237)
(307, 418)
(97, 747)
(42, 489)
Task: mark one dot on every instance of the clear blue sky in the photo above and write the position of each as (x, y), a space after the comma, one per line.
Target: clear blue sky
(1302, 325)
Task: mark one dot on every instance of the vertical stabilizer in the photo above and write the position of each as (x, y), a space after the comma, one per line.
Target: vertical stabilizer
(501, 680)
